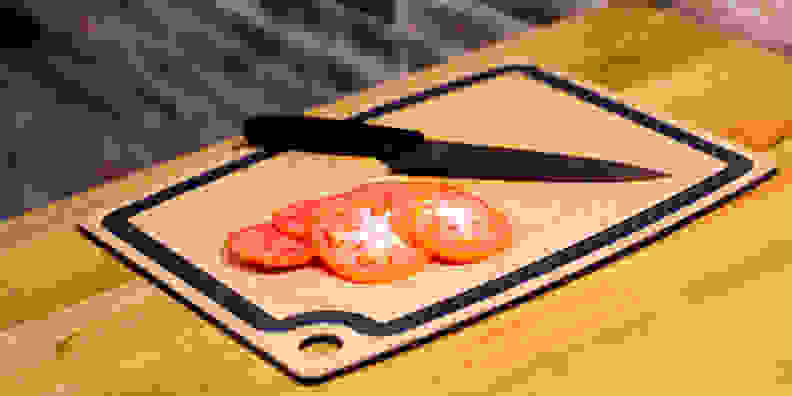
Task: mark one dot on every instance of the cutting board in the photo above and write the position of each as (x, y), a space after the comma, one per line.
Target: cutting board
(174, 236)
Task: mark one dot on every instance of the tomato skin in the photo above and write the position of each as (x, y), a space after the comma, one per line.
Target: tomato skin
(454, 227)
(264, 246)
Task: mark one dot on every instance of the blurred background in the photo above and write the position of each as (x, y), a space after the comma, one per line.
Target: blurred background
(93, 90)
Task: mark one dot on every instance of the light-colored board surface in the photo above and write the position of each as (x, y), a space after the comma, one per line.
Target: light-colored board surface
(546, 217)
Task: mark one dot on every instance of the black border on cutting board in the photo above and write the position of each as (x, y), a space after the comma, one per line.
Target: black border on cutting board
(118, 224)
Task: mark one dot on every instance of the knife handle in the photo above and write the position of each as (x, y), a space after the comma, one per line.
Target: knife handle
(280, 133)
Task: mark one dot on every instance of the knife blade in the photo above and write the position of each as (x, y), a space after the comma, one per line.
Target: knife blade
(408, 152)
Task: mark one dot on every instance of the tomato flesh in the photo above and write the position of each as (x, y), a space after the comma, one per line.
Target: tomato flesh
(355, 240)
(263, 245)
(295, 219)
(378, 232)
(454, 227)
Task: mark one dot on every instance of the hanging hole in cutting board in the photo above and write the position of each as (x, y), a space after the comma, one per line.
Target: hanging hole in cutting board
(321, 344)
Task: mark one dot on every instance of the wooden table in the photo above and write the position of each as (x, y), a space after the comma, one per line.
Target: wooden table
(702, 311)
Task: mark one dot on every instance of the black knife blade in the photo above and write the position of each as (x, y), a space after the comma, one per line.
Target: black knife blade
(407, 152)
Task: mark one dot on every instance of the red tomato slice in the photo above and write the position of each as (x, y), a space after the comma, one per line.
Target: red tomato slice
(264, 246)
(354, 238)
(395, 195)
(295, 219)
(454, 226)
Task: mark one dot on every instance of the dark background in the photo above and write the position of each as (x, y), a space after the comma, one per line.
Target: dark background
(93, 89)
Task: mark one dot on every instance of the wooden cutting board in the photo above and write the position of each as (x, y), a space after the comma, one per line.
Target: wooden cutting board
(175, 236)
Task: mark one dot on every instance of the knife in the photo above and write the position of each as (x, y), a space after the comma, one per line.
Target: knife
(408, 152)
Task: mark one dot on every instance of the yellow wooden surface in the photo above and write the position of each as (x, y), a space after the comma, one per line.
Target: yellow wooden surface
(622, 50)
(699, 312)
(45, 264)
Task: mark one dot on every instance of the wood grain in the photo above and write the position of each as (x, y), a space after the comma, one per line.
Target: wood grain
(605, 57)
(443, 370)
(676, 306)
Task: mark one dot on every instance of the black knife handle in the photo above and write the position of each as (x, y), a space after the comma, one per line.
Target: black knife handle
(280, 133)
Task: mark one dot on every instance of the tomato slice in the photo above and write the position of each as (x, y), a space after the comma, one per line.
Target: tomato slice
(355, 240)
(295, 220)
(264, 246)
(453, 226)
(393, 195)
